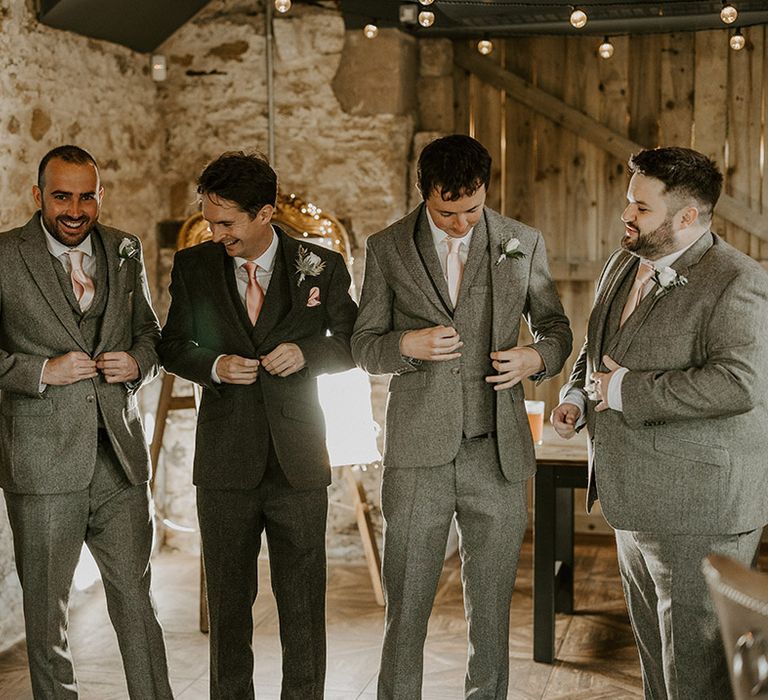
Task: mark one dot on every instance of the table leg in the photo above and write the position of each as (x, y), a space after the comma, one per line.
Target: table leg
(564, 550)
(544, 528)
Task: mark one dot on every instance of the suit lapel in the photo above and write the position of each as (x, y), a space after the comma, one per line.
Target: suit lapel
(115, 279)
(39, 262)
(475, 257)
(414, 263)
(425, 245)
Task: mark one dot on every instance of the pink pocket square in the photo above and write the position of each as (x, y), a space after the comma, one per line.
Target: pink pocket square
(314, 297)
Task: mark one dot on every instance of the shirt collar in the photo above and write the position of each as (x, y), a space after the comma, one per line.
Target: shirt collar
(438, 235)
(266, 261)
(57, 248)
(668, 260)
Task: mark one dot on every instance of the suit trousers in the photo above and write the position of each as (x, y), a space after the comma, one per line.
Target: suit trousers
(231, 524)
(114, 518)
(491, 514)
(673, 620)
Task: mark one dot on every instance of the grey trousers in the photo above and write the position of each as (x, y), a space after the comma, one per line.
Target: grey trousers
(674, 622)
(114, 519)
(418, 505)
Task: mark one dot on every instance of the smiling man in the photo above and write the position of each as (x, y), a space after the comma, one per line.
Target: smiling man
(444, 293)
(672, 383)
(78, 339)
(255, 316)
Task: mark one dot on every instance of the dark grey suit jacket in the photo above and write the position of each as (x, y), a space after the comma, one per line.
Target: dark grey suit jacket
(236, 422)
(423, 424)
(48, 441)
(688, 453)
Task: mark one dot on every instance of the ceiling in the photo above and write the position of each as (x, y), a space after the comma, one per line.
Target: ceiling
(473, 18)
(143, 25)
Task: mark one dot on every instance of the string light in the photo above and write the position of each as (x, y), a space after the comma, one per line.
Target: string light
(729, 13)
(578, 18)
(426, 2)
(426, 18)
(485, 46)
(606, 48)
(371, 31)
(282, 6)
(738, 41)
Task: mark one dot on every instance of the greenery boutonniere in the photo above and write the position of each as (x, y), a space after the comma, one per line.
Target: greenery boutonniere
(510, 249)
(308, 264)
(128, 250)
(667, 279)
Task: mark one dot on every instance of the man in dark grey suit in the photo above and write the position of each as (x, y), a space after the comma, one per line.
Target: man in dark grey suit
(445, 289)
(672, 382)
(255, 317)
(77, 340)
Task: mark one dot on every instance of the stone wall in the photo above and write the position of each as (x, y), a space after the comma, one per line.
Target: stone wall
(57, 87)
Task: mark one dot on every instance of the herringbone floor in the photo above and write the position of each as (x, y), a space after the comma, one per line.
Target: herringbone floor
(595, 650)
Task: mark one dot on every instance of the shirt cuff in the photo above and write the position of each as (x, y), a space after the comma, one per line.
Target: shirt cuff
(215, 377)
(614, 389)
(41, 387)
(576, 397)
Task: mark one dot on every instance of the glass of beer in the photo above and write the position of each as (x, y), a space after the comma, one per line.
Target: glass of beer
(535, 411)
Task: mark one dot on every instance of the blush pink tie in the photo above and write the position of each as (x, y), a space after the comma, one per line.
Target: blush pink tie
(454, 268)
(82, 285)
(644, 275)
(254, 294)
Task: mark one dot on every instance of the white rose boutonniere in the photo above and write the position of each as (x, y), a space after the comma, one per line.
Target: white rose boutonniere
(308, 264)
(667, 278)
(510, 249)
(128, 250)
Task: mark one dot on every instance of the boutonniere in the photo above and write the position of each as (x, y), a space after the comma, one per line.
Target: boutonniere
(667, 279)
(308, 264)
(510, 249)
(128, 250)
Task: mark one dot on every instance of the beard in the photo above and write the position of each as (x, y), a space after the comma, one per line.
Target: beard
(653, 244)
(58, 228)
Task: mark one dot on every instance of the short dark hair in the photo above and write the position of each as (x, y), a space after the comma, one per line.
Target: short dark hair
(243, 178)
(684, 172)
(69, 154)
(453, 166)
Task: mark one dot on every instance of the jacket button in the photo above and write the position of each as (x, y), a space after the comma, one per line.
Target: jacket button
(90, 398)
(456, 370)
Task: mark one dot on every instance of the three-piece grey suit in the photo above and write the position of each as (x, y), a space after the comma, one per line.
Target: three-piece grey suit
(74, 463)
(260, 458)
(682, 470)
(453, 445)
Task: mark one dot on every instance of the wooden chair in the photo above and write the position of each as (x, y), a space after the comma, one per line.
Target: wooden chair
(301, 220)
(740, 596)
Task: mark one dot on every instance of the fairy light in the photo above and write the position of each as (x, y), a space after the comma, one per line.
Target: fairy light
(485, 46)
(606, 48)
(729, 13)
(578, 18)
(282, 6)
(426, 18)
(737, 41)
(371, 31)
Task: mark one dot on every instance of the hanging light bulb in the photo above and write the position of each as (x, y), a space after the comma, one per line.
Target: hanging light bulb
(485, 46)
(729, 13)
(371, 31)
(578, 18)
(426, 18)
(737, 41)
(282, 6)
(426, 2)
(606, 48)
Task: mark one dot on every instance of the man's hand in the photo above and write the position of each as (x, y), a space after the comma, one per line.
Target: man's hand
(513, 365)
(117, 367)
(233, 369)
(436, 344)
(68, 369)
(285, 359)
(598, 390)
(564, 418)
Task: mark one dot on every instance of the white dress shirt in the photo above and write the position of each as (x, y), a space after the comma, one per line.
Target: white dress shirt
(265, 266)
(441, 246)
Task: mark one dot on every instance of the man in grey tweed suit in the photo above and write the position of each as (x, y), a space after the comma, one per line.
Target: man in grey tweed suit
(77, 340)
(440, 309)
(676, 412)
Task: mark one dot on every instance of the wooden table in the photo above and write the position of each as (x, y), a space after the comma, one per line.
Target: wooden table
(561, 466)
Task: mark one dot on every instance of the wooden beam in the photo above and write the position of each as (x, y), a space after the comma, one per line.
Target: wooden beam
(588, 128)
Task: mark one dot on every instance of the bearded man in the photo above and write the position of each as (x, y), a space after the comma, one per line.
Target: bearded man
(77, 340)
(672, 383)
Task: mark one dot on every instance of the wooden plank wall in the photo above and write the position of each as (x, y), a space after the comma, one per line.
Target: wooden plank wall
(685, 89)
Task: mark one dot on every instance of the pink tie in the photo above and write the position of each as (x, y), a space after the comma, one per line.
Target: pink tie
(82, 285)
(454, 268)
(254, 294)
(644, 275)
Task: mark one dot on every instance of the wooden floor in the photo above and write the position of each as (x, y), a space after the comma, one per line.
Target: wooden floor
(595, 651)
